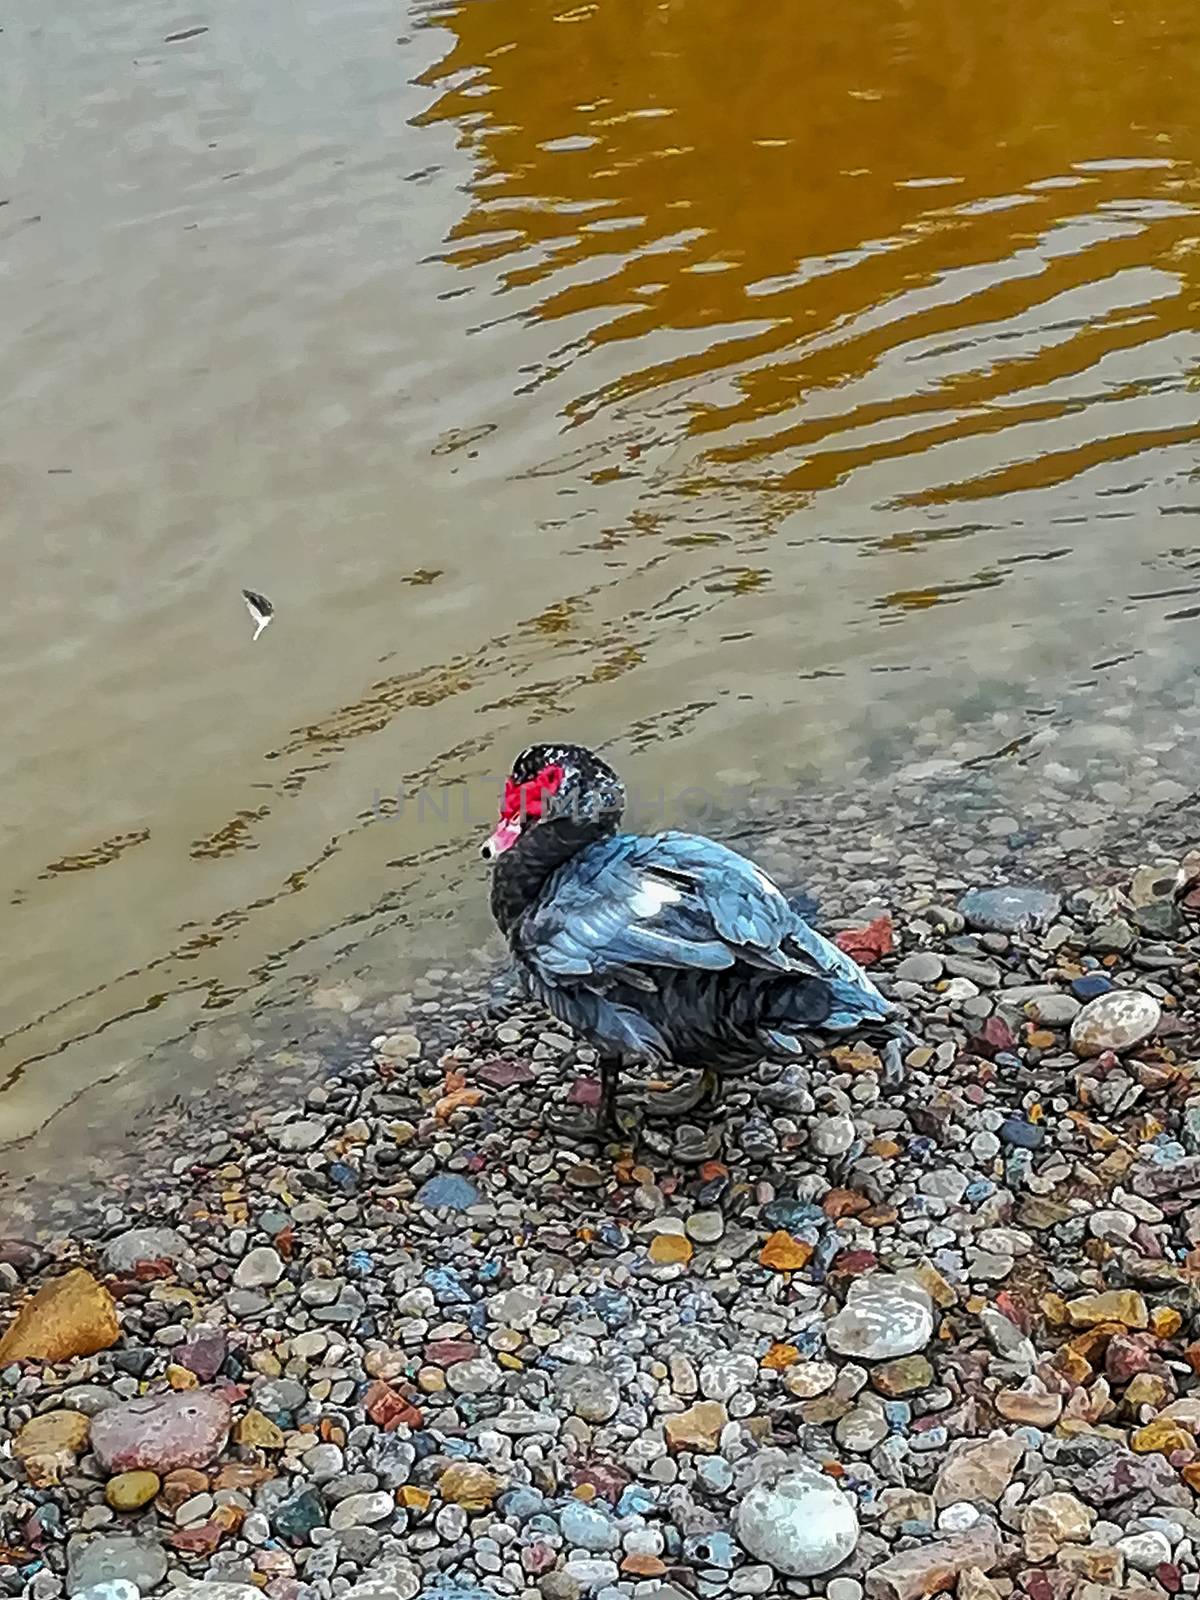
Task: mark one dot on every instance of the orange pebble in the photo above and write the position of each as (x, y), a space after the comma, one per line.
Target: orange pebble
(782, 1253)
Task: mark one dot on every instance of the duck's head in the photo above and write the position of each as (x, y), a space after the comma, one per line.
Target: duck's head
(550, 782)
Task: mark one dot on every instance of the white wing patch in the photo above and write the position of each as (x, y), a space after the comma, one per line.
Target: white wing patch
(651, 896)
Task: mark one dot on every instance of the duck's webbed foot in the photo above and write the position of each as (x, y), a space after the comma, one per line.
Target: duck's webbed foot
(686, 1096)
(892, 1041)
(600, 1122)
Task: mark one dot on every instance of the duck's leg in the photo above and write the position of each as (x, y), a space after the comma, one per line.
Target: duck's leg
(604, 1123)
(608, 1118)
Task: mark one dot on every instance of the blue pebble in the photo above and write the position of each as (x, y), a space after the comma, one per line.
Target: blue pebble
(1005, 1058)
(588, 1527)
(635, 1501)
(345, 1178)
(460, 1449)
(1091, 986)
(447, 1286)
(898, 1414)
(793, 1214)
(521, 1503)
(822, 1257)
(490, 1271)
(447, 1191)
(443, 1588)
(1168, 1153)
(976, 1193)
(615, 1310)
(360, 1263)
(1025, 1135)
(48, 1516)
(709, 1549)
(297, 1516)
(715, 1473)
(710, 1193)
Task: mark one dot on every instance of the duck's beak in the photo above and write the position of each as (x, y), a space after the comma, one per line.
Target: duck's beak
(508, 831)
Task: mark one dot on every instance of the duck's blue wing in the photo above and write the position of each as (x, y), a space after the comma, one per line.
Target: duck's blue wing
(634, 903)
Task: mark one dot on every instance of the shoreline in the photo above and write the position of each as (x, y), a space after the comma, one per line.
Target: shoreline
(1084, 758)
(892, 834)
(943, 1324)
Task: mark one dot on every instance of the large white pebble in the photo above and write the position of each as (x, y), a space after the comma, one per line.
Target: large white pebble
(1145, 1551)
(799, 1521)
(1115, 1021)
(883, 1318)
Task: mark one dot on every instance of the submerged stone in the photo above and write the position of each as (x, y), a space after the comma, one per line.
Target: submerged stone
(1017, 909)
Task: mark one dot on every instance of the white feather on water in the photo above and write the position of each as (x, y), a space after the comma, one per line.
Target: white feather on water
(260, 608)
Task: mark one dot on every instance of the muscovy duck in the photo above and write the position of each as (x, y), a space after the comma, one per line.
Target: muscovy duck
(656, 948)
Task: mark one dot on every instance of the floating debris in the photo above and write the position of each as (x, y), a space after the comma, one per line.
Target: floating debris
(260, 608)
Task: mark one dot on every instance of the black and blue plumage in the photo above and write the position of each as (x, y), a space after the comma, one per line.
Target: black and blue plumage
(658, 948)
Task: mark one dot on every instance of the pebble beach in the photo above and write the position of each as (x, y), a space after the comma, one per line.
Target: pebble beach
(886, 1324)
(798, 408)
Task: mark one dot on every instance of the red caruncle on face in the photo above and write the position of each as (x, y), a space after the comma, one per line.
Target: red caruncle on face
(527, 799)
(522, 802)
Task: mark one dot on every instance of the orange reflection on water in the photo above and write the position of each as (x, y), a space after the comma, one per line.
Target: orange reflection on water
(839, 236)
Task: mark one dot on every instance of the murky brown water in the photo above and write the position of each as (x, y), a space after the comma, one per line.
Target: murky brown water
(745, 387)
